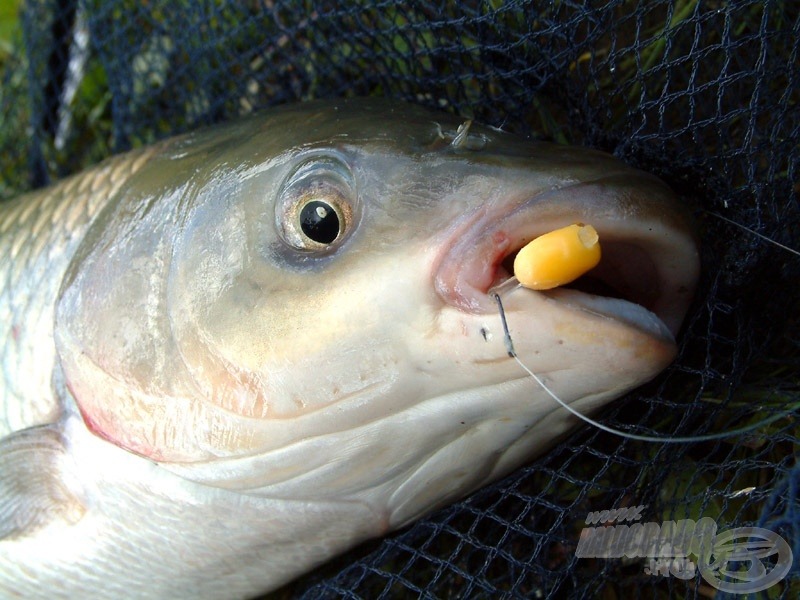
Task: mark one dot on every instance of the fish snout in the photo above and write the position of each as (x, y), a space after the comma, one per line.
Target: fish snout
(650, 257)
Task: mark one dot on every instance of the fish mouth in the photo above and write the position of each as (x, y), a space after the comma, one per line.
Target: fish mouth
(649, 265)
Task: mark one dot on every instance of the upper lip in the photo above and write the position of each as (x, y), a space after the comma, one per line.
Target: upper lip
(649, 254)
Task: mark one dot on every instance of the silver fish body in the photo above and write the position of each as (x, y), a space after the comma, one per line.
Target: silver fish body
(236, 353)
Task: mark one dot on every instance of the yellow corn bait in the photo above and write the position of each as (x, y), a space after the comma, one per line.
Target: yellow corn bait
(558, 257)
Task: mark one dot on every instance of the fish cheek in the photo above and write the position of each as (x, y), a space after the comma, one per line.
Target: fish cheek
(274, 350)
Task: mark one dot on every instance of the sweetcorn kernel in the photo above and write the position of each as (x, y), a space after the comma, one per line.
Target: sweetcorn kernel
(558, 257)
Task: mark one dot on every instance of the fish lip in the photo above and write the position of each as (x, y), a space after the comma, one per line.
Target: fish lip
(638, 221)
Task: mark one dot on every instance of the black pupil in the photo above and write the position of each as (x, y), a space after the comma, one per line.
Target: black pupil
(319, 222)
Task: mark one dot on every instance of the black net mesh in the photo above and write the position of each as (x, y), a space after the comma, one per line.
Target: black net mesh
(704, 94)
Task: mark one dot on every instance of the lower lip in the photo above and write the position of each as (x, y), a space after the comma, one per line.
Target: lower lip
(613, 308)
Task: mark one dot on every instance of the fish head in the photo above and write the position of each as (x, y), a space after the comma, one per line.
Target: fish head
(297, 306)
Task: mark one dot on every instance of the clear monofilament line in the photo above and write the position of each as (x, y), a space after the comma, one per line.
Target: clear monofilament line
(631, 436)
(755, 233)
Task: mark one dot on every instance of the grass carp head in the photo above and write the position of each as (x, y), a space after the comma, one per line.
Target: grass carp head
(295, 305)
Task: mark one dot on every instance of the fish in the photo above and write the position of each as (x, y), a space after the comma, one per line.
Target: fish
(236, 353)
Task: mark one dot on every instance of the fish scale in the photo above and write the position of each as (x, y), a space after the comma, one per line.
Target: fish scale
(39, 233)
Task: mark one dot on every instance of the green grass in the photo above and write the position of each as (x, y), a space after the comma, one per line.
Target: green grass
(14, 108)
(9, 26)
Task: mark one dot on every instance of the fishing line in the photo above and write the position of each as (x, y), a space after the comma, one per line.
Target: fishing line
(631, 436)
(763, 237)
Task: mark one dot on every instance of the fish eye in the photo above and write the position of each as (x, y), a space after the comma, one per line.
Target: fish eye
(317, 204)
(319, 222)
